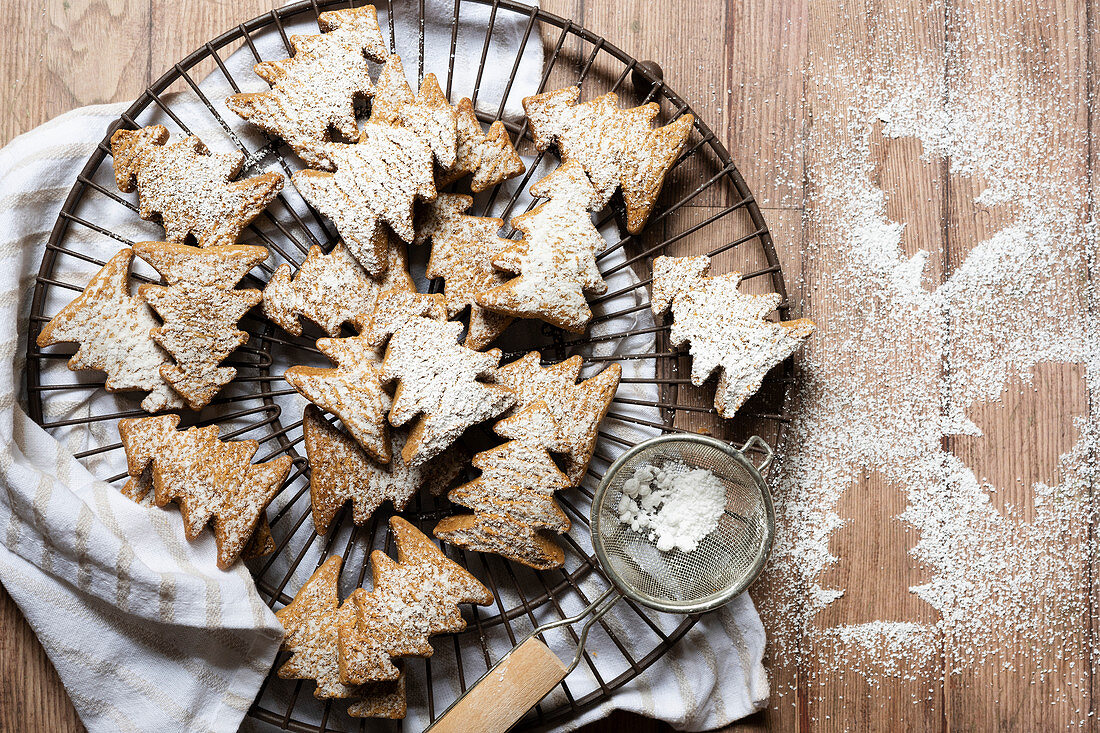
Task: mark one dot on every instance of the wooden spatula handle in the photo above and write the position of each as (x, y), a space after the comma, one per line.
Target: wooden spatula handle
(509, 690)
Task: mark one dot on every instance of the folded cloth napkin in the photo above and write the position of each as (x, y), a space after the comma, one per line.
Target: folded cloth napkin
(144, 630)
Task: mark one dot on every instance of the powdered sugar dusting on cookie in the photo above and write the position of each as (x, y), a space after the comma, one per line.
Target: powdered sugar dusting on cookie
(318, 86)
(376, 182)
(112, 328)
(190, 188)
(728, 331)
(556, 260)
(442, 384)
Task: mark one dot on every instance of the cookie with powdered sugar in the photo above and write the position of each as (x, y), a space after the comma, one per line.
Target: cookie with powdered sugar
(212, 481)
(352, 391)
(192, 190)
(443, 388)
(200, 308)
(728, 331)
(112, 328)
(489, 157)
(411, 599)
(618, 148)
(427, 113)
(463, 248)
(341, 471)
(578, 409)
(514, 512)
(331, 290)
(314, 92)
(375, 184)
(312, 625)
(556, 259)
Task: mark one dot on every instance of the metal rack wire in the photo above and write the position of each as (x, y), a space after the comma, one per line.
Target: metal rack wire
(703, 173)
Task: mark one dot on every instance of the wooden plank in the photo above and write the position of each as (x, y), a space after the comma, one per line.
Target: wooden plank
(62, 55)
(31, 695)
(764, 116)
(1029, 426)
(874, 569)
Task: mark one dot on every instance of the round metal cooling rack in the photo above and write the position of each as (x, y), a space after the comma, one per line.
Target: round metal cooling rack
(705, 207)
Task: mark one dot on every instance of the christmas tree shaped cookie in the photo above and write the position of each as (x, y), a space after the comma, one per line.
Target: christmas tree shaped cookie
(618, 148)
(440, 384)
(396, 306)
(341, 471)
(315, 90)
(191, 188)
(352, 391)
(331, 290)
(209, 479)
(412, 599)
(463, 248)
(513, 500)
(428, 114)
(578, 409)
(491, 158)
(311, 623)
(312, 626)
(728, 330)
(375, 183)
(200, 308)
(112, 328)
(556, 259)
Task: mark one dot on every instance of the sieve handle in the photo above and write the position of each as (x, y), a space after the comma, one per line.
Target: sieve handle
(760, 444)
(507, 692)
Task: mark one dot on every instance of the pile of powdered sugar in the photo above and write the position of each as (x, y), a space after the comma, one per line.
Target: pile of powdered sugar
(674, 505)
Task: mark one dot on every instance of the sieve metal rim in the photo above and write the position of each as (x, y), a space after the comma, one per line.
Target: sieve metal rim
(715, 600)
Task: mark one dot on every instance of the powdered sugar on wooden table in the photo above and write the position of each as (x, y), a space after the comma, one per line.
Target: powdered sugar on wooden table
(904, 359)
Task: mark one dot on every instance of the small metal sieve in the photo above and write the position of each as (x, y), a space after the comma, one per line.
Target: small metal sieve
(723, 565)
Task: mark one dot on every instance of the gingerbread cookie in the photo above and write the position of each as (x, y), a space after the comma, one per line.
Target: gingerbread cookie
(673, 274)
(618, 148)
(311, 622)
(209, 479)
(394, 309)
(556, 259)
(375, 183)
(578, 409)
(341, 471)
(463, 248)
(191, 188)
(440, 384)
(411, 599)
(331, 290)
(490, 158)
(513, 500)
(728, 330)
(112, 328)
(352, 391)
(200, 308)
(428, 114)
(316, 89)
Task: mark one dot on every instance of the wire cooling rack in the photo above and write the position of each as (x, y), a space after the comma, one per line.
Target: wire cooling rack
(705, 207)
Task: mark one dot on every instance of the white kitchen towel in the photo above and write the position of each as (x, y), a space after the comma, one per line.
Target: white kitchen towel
(145, 631)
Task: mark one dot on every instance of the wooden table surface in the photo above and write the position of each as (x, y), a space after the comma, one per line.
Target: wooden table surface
(757, 72)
